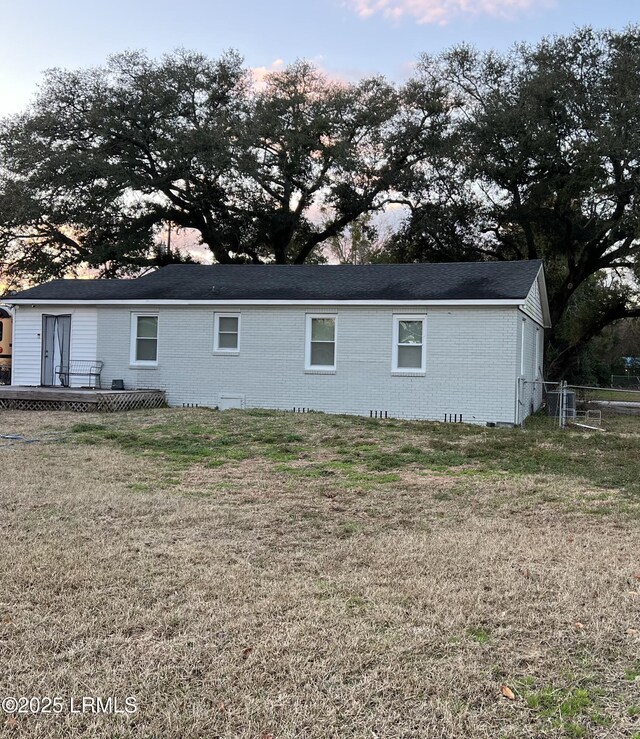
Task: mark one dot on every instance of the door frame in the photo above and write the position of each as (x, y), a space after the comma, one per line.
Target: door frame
(48, 364)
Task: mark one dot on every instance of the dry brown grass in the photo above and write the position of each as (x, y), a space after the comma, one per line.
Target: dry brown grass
(245, 600)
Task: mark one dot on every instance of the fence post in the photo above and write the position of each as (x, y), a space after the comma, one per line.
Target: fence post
(563, 403)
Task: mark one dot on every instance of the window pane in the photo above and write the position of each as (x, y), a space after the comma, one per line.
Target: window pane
(322, 355)
(229, 325)
(410, 332)
(146, 350)
(410, 357)
(147, 327)
(227, 341)
(323, 329)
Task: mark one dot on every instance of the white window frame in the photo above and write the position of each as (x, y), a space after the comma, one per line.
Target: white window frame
(133, 361)
(216, 333)
(307, 351)
(396, 335)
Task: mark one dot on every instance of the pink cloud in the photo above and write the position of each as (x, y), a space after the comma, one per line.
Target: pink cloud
(442, 11)
(260, 74)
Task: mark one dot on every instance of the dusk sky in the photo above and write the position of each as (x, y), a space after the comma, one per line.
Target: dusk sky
(350, 38)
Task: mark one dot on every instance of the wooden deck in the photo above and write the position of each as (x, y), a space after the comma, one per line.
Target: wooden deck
(81, 400)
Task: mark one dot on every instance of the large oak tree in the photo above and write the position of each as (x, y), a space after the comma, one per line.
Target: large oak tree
(104, 156)
(543, 162)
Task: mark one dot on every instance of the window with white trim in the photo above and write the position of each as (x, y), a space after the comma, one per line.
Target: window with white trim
(320, 352)
(409, 345)
(226, 332)
(144, 339)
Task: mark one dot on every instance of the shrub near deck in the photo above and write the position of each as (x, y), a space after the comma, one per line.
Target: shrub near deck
(248, 574)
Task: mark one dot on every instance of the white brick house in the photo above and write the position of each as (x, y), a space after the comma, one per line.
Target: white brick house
(424, 341)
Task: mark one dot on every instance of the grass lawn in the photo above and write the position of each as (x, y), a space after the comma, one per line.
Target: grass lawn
(269, 575)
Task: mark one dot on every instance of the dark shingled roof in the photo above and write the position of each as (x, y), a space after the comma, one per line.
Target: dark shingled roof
(453, 281)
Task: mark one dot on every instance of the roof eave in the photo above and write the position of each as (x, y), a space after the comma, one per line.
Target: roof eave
(239, 301)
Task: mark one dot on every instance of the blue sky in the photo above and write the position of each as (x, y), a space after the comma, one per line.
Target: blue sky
(350, 38)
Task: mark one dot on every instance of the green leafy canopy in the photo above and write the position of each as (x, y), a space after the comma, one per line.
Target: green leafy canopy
(542, 163)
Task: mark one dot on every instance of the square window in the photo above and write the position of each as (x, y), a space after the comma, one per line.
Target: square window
(320, 350)
(226, 332)
(409, 348)
(144, 339)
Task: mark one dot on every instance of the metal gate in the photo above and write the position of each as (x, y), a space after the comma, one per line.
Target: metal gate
(555, 396)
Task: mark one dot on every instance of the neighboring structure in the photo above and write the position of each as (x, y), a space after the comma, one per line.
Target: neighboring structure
(5, 346)
(424, 341)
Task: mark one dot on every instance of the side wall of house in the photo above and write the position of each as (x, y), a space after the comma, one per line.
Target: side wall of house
(530, 366)
(531, 352)
(533, 304)
(471, 367)
(27, 340)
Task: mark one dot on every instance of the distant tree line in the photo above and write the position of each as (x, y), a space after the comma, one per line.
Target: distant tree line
(532, 153)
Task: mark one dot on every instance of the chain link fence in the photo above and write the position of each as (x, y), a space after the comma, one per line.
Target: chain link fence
(625, 381)
(607, 401)
(582, 406)
(549, 398)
